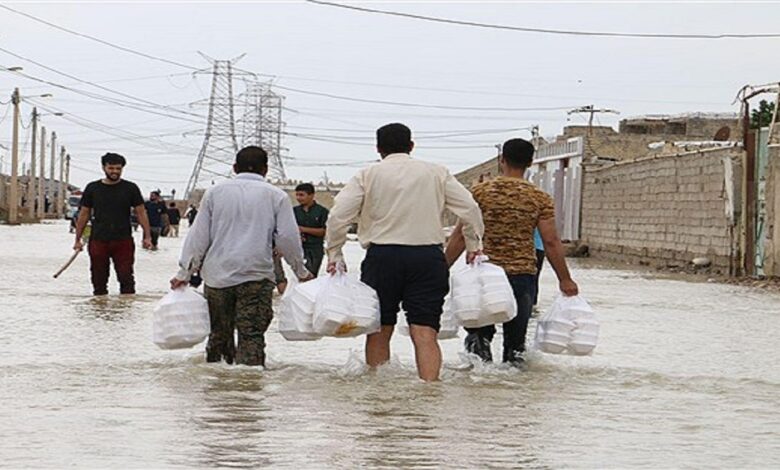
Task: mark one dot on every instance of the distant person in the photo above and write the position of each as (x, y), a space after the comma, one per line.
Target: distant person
(108, 203)
(174, 218)
(398, 204)
(155, 210)
(311, 218)
(539, 247)
(512, 208)
(231, 245)
(191, 214)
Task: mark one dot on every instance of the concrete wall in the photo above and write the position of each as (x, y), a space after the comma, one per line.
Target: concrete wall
(772, 246)
(664, 210)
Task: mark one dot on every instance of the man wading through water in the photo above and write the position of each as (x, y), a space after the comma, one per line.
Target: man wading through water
(311, 218)
(231, 244)
(108, 202)
(398, 204)
(512, 208)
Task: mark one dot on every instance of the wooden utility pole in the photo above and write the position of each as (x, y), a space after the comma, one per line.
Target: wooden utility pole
(13, 193)
(67, 171)
(42, 177)
(51, 170)
(61, 185)
(31, 188)
(591, 110)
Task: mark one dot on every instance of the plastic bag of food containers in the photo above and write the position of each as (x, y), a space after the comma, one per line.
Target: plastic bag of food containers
(482, 295)
(345, 307)
(448, 324)
(181, 320)
(296, 310)
(569, 327)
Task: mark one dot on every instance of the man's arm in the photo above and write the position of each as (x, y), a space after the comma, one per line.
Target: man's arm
(460, 202)
(456, 245)
(346, 209)
(287, 238)
(556, 256)
(195, 245)
(81, 224)
(314, 232)
(143, 221)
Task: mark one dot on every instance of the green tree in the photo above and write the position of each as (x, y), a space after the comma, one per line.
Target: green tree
(762, 117)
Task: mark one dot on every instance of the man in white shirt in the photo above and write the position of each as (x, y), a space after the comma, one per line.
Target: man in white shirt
(398, 205)
(231, 244)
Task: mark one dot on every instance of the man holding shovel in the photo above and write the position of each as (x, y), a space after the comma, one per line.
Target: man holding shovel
(108, 202)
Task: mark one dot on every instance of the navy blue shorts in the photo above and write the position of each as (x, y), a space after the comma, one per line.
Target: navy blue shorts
(416, 277)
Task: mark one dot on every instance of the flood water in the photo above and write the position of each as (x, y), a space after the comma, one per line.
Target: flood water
(686, 375)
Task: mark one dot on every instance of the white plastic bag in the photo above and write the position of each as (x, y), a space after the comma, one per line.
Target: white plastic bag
(346, 307)
(482, 295)
(181, 320)
(296, 310)
(569, 327)
(448, 324)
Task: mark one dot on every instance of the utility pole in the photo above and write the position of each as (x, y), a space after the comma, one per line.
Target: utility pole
(67, 171)
(61, 185)
(42, 176)
(13, 193)
(591, 110)
(535, 136)
(51, 169)
(31, 188)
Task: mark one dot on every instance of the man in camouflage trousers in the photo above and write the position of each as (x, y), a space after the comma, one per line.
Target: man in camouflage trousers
(231, 245)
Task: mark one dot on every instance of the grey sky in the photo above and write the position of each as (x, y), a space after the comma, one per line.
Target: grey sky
(320, 49)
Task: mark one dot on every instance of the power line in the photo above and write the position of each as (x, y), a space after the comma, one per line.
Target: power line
(418, 105)
(101, 41)
(101, 87)
(545, 30)
(119, 133)
(98, 97)
(132, 79)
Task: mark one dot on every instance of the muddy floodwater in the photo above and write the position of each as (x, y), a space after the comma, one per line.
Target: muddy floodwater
(686, 375)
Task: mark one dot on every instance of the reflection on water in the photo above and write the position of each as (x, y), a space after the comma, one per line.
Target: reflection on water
(685, 376)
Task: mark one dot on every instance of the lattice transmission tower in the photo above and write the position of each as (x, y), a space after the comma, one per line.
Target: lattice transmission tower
(262, 124)
(216, 157)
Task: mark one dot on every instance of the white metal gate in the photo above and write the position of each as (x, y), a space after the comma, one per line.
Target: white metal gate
(557, 170)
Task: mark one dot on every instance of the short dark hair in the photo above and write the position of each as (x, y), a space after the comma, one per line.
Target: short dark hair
(518, 153)
(113, 159)
(394, 138)
(307, 188)
(173, 204)
(251, 159)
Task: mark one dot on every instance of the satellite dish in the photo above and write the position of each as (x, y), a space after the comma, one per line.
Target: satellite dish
(723, 134)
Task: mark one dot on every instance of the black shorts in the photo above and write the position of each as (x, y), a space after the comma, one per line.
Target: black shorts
(415, 276)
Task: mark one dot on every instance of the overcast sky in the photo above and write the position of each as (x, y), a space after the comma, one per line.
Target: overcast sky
(368, 56)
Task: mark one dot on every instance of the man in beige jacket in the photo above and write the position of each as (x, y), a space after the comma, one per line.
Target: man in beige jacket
(398, 204)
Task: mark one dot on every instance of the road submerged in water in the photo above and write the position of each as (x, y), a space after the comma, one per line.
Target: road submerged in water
(685, 376)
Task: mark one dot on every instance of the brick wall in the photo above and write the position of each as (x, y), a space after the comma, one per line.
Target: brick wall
(663, 210)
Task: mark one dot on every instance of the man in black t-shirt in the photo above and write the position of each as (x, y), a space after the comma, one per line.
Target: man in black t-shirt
(108, 203)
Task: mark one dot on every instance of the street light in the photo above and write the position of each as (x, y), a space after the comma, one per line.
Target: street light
(15, 69)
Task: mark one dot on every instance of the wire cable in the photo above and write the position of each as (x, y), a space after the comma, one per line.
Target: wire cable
(101, 41)
(418, 105)
(544, 30)
(101, 87)
(98, 97)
